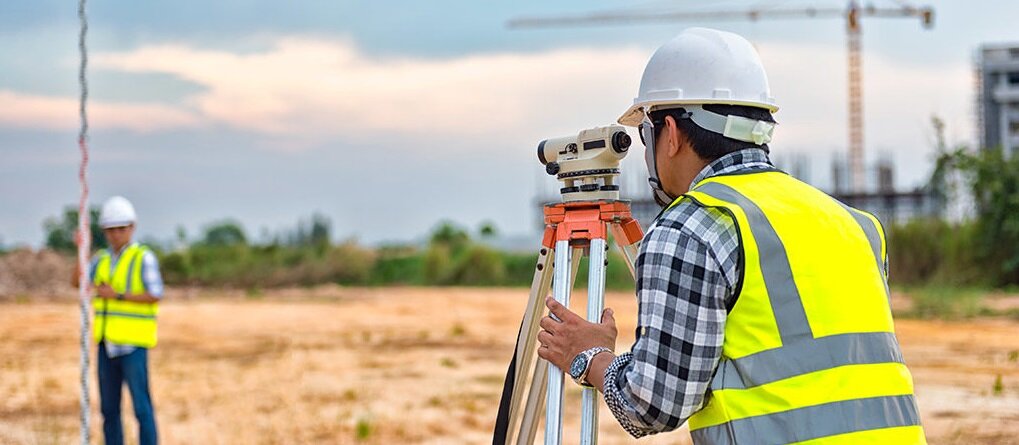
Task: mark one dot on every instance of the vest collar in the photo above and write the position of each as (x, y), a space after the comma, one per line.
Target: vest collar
(747, 158)
(128, 246)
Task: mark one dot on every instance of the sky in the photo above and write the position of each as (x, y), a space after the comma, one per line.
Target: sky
(389, 117)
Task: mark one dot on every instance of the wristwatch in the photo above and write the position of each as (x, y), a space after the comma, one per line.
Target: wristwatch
(582, 364)
(120, 296)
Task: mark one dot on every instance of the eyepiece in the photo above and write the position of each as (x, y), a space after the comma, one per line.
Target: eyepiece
(621, 142)
(552, 168)
(541, 152)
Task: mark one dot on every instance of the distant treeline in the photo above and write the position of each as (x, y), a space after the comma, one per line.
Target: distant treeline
(224, 255)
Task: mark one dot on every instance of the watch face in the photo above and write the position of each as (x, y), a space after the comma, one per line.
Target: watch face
(577, 367)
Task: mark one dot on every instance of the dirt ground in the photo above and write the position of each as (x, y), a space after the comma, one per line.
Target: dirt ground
(402, 365)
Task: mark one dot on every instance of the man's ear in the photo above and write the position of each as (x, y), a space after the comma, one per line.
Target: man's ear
(671, 137)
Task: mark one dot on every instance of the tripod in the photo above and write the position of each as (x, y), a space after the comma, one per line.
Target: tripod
(571, 229)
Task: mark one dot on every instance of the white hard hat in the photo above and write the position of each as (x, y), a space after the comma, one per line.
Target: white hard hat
(117, 212)
(701, 66)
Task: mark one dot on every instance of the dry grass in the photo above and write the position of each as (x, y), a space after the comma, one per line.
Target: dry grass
(402, 365)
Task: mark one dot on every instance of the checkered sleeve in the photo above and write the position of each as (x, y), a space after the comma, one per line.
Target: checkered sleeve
(682, 288)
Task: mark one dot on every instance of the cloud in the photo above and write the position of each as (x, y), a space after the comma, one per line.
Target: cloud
(306, 91)
(307, 88)
(61, 113)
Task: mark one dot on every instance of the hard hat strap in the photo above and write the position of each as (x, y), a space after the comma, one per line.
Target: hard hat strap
(647, 133)
(734, 127)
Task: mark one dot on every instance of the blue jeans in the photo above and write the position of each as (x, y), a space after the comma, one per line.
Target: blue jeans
(133, 369)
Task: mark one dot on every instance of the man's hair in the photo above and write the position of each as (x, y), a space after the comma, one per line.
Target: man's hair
(708, 144)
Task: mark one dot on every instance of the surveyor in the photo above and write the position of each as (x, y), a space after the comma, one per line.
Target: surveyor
(764, 311)
(127, 286)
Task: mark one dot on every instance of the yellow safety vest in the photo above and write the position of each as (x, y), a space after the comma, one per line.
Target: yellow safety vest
(118, 321)
(810, 353)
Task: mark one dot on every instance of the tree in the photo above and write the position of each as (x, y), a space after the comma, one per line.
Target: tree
(487, 230)
(60, 230)
(993, 182)
(182, 236)
(315, 231)
(224, 233)
(451, 236)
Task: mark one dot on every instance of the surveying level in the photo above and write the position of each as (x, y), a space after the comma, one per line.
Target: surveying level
(578, 226)
(587, 164)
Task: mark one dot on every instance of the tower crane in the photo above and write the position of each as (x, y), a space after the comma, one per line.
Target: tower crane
(852, 14)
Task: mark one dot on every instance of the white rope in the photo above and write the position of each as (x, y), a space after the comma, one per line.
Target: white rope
(84, 232)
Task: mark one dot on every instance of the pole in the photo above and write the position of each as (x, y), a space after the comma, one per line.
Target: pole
(84, 232)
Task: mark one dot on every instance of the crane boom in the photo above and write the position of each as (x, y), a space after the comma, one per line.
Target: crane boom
(632, 18)
(852, 14)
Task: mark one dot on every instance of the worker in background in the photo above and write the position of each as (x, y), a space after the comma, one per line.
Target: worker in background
(127, 286)
(764, 313)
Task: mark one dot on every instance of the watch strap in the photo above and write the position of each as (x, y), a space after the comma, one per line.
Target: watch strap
(589, 356)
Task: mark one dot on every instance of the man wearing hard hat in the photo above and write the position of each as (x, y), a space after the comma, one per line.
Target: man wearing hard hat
(128, 287)
(764, 310)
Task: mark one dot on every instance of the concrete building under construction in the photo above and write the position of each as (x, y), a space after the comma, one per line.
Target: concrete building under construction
(880, 196)
(998, 96)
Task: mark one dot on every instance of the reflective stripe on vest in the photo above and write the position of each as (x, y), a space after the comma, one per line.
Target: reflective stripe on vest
(124, 322)
(809, 351)
(827, 421)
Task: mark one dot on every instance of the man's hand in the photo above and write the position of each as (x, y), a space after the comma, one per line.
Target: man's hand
(105, 291)
(561, 341)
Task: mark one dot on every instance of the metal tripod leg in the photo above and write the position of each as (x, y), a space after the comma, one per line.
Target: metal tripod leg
(525, 349)
(535, 399)
(561, 286)
(535, 310)
(595, 304)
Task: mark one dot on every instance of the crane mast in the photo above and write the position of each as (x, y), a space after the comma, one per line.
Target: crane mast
(854, 80)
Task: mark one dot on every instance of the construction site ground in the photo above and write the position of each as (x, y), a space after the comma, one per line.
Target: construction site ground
(401, 365)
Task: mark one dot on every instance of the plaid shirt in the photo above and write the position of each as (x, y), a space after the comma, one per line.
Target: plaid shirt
(687, 270)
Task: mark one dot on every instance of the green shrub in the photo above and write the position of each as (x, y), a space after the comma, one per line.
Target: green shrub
(519, 268)
(176, 267)
(397, 265)
(928, 251)
(947, 303)
(351, 263)
(241, 265)
(477, 266)
(363, 429)
(437, 264)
